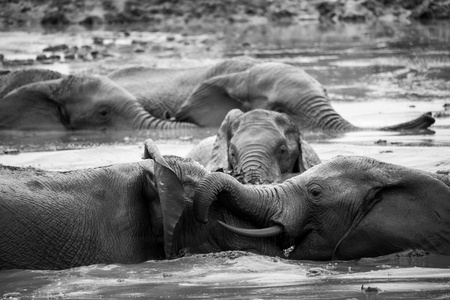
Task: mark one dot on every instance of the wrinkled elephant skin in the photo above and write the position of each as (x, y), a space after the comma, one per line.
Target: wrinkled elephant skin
(124, 213)
(346, 208)
(47, 100)
(259, 146)
(147, 98)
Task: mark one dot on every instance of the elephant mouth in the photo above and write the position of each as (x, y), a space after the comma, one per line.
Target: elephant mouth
(277, 231)
(246, 178)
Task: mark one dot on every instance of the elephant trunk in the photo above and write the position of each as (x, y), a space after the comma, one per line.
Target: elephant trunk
(422, 122)
(263, 205)
(256, 167)
(142, 120)
(318, 110)
(315, 111)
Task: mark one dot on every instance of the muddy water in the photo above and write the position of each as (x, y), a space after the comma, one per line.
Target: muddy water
(375, 75)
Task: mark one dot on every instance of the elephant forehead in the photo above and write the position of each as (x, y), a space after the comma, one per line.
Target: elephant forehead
(92, 87)
(263, 134)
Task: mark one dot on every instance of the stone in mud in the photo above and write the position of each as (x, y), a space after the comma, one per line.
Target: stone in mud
(55, 19)
(56, 48)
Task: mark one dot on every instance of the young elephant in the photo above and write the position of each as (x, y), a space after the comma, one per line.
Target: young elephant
(346, 208)
(259, 146)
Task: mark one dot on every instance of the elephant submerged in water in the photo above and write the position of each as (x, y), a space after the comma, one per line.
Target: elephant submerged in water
(124, 213)
(346, 208)
(47, 100)
(205, 95)
(258, 146)
(148, 98)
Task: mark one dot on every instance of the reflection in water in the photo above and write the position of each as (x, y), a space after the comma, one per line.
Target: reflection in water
(233, 275)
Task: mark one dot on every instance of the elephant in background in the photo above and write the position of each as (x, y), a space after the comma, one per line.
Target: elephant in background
(258, 146)
(205, 95)
(47, 100)
(346, 208)
(148, 98)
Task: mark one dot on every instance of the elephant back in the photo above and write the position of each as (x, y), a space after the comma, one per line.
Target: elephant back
(17, 79)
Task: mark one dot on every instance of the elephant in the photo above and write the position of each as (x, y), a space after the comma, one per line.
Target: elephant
(346, 208)
(47, 100)
(259, 146)
(204, 95)
(123, 213)
(145, 98)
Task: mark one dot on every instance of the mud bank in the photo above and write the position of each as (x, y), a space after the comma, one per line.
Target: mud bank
(92, 13)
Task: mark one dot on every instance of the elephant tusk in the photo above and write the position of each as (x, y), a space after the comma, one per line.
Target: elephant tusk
(255, 233)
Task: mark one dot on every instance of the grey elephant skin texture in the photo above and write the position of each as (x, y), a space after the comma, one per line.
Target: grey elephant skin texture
(47, 100)
(124, 213)
(259, 146)
(346, 208)
(143, 98)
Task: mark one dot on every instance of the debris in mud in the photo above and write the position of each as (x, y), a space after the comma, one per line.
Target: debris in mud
(370, 292)
(445, 113)
(115, 44)
(381, 142)
(11, 151)
(443, 172)
(317, 271)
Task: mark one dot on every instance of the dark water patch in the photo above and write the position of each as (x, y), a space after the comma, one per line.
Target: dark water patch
(31, 141)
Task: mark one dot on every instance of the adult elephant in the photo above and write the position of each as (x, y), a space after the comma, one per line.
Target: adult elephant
(124, 213)
(346, 208)
(258, 146)
(204, 96)
(47, 100)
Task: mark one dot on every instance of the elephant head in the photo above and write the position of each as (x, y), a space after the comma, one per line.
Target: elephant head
(272, 86)
(260, 146)
(346, 208)
(73, 103)
(176, 180)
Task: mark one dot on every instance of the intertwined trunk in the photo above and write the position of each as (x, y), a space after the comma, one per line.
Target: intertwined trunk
(263, 205)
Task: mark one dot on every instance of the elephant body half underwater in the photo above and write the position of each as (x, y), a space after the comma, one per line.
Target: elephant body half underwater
(47, 100)
(205, 95)
(346, 208)
(147, 98)
(124, 213)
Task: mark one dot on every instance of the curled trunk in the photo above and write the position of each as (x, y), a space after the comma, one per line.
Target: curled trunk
(265, 206)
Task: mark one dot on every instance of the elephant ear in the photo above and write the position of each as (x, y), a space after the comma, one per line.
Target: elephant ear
(309, 157)
(214, 98)
(171, 194)
(409, 209)
(35, 102)
(219, 156)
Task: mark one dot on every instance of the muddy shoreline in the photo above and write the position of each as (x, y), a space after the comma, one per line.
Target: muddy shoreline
(91, 13)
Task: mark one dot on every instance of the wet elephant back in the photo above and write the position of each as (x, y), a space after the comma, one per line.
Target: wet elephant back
(16, 79)
(160, 91)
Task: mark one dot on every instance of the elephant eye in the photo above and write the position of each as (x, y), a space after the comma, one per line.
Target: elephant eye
(283, 149)
(103, 113)
(315, 190)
